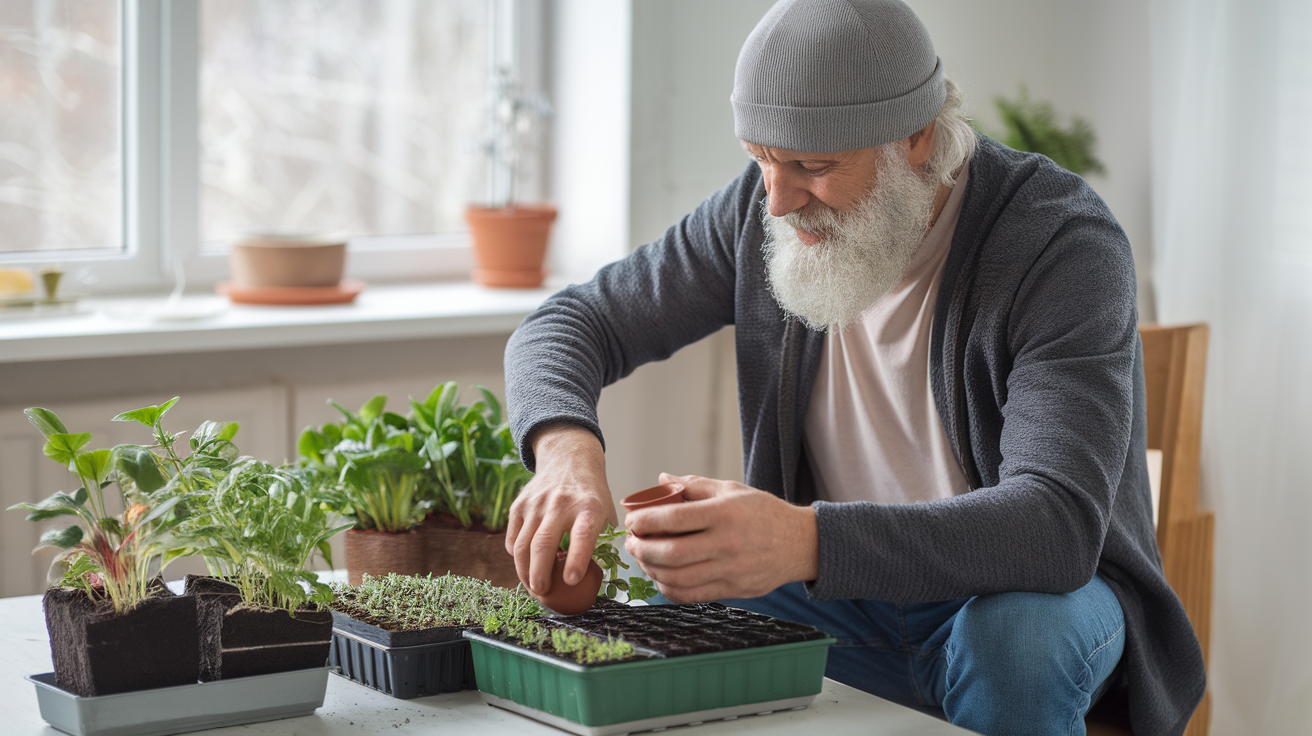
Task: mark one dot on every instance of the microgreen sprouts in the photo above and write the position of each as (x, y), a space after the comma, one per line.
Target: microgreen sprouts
(410, 603)
(529, 629)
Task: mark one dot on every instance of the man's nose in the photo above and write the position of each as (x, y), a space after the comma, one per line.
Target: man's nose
(784, 194)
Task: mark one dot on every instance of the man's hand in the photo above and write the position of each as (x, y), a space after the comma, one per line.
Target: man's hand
(568, 494)
(727, 540)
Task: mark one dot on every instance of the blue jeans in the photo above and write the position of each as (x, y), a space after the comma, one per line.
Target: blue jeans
(1006, 663)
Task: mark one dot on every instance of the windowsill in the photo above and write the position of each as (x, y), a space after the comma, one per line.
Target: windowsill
(123, 326)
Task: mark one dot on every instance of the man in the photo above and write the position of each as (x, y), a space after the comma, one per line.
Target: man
(941, 394)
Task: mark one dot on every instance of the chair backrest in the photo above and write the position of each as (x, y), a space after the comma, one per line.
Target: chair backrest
(1175, 362)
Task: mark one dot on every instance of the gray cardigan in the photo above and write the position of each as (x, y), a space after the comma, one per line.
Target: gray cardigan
(1036, 369)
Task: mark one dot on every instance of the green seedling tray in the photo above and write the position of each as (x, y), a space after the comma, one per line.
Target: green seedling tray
(649, 693)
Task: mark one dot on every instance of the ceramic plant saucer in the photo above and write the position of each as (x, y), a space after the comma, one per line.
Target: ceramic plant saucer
(343, 293)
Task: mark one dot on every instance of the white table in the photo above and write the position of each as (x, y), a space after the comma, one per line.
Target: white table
(351, 709)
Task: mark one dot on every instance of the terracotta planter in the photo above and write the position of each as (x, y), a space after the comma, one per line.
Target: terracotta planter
(266, 261)
(510, 244)
(568, 600)
(474, 553)
(96, 652)
(240, 640)
(378, 553)
(654, 496)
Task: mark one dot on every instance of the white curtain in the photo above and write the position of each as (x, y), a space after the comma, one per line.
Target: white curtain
(1232, 246)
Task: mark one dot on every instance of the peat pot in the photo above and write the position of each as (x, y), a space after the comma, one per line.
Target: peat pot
(692, 663)
(473, 553)
(510, 244)
(240, 640)
(96, 652)
(378, 553)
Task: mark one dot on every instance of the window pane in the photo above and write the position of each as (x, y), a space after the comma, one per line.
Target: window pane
(60, 161)
(357, 115)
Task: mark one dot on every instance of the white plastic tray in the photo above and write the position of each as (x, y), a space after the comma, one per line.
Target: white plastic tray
(169, 710)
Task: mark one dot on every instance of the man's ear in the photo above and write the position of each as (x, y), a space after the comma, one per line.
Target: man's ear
(920, 144)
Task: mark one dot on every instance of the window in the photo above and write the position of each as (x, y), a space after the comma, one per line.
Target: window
(151, 133)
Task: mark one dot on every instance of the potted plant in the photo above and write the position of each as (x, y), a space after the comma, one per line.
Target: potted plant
(260, 610)
(372, 468)
(602, 577)
(400, 634)
(476, 474)
(114, 627)
(454, 468)
(1032, 126)
(622, 669)
(510, 238)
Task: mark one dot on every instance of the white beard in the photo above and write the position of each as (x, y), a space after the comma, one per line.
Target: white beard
(862, 252)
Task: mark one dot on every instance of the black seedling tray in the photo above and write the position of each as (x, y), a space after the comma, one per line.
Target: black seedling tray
(402, 664)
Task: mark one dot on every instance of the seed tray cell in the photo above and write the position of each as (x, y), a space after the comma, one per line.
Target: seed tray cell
(439, 663)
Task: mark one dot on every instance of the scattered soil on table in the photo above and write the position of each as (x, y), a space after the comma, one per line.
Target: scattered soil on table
(680, 630)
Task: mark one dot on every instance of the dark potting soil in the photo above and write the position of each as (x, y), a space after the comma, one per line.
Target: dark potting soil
(238, 639)
(96, 652)
(372, 629)
(681, 630)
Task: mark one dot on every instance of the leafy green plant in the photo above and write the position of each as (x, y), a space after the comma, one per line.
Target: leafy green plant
(410, 602)
(258, 528)
(371, 466)
(117, 556)
(1032, 126)
(390, 470)
(607, 557)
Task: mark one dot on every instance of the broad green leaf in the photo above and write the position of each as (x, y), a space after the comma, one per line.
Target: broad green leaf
(63, 447)
(46, 421)
(160, 510)
(96, 465)
(147, 415)
(493, 406)
(310, 445)
(229, 430)
(345, 412)
(372, 409)
(62, 538)
(60, 504)
(392, 419)
(141, 465)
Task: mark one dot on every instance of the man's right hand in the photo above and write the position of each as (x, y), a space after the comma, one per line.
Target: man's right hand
(567, 494)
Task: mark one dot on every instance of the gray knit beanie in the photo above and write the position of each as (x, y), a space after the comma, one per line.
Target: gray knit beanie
(836, 75)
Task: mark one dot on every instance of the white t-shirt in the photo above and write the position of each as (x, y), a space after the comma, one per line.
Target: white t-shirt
(872, 430)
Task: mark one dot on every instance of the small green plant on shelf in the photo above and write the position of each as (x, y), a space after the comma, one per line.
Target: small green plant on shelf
(411, 603)
(117, 557)
(607, 557)
(1032, 126)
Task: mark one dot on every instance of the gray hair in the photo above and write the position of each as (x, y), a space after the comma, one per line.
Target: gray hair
(954, 139)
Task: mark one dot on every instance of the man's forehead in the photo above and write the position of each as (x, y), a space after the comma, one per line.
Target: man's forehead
(784, 154)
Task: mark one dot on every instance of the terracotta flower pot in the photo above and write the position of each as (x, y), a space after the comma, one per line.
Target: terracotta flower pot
(567, 599)
(378, 553)
(510, 244)
(654, 496)
(266, 261)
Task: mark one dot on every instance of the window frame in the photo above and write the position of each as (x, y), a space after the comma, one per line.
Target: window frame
(160, 148)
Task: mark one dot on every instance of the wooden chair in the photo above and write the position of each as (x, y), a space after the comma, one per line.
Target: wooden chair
(1175, 360)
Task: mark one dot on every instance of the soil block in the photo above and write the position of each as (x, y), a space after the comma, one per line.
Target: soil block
(96, 652)
(240, 640)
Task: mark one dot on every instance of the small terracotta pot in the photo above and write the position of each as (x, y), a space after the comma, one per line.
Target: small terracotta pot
(266, 261)
(654, 496)
(510, 244)
(568, 600)
(470, 552)
(378, 553)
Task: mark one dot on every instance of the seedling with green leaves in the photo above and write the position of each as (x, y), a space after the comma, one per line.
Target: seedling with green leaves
(526, 627)
(412, 603)
(117, 556)
(607, 557)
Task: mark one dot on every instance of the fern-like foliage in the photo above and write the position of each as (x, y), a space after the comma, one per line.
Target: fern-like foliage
(1032, 126)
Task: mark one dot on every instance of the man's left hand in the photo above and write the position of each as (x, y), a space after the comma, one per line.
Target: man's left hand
(727, 540)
